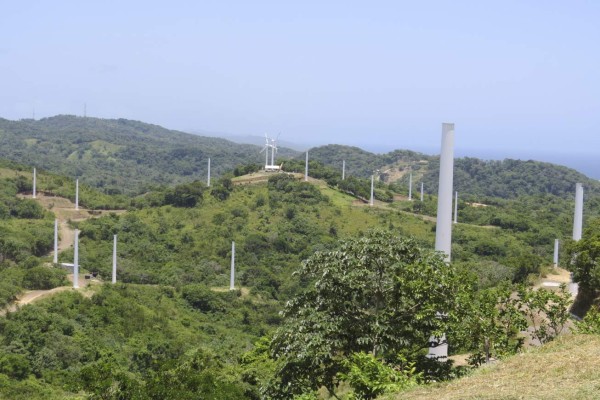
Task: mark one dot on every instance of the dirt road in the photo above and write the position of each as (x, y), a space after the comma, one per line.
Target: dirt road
(65, 211)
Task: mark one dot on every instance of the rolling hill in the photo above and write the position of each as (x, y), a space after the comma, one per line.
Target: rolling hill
(506, 179)
(119, 155)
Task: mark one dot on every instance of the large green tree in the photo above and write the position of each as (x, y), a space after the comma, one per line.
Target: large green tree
(381, 294)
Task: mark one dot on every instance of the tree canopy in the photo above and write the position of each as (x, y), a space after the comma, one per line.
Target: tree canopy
(380, 294)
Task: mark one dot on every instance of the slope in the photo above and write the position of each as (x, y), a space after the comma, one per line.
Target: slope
(564, 369)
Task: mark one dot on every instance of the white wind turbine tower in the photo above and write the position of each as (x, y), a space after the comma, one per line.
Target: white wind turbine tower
(272, 144)
(266, 150)
(273, 150)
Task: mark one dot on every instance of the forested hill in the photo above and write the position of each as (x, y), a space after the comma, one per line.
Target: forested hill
(362, 163)
(512, 178)
(119, 155)
(506, 179)
(124, 156)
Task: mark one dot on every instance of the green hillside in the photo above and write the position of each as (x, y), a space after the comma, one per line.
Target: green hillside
(171, 329)
(507, 179)
(119, 155)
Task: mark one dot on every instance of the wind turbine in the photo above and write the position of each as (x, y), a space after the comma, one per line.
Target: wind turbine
(274, 149)
(266, 150)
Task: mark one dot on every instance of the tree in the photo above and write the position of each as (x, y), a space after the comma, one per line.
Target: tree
(583, 259)
(548, 311)
(493, 324)
(370, 377)
(379, 294)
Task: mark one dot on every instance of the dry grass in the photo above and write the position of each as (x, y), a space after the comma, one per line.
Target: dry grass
(567, 368)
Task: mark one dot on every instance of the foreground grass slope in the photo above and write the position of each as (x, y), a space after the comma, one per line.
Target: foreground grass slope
(567, 368)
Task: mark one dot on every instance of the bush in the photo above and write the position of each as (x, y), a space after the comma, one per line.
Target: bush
(44, 278)
(202, 298)
(370, 377)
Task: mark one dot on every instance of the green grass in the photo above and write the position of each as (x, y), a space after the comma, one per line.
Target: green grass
(568, 368)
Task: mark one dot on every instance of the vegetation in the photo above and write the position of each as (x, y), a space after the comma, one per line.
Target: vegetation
(129, 342)
(359, 305)
(119, 155)
(373, 295)
(26, 232)
(475, 178)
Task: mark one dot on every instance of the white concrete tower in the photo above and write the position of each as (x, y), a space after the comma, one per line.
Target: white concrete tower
(578, 221)
(114, 265)
(266, 157)
(273, 147)
(55, 260)
(372, 190)
(455, 207)
(208, 179)
(421, 191)
(306, 168)
(232, 275)
(443, 232)
(556, 243)
(410, 186)
(76, 260)
(343, 169)
(34, 183)
(77, 194)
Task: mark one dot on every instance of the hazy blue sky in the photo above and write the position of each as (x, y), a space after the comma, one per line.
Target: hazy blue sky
(513, 75)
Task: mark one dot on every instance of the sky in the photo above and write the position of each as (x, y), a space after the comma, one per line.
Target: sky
(516, 77)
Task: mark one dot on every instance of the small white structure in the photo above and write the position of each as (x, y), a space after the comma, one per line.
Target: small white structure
(270, 144)
(34, 183)
(455, 207)
(114, 260)
(55, 260)
(77, 194)
(208, 179)
(556, 242)
(372, 189)
(76, 260)
(578, 220)
(410, 186)
(306, 168)
(232, 275)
